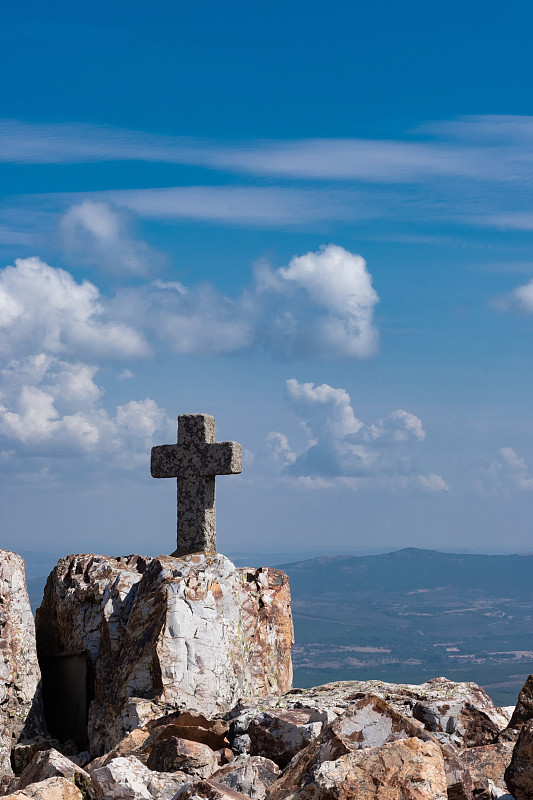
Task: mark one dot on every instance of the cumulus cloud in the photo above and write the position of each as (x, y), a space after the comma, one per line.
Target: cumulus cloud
(508, 473)
(94, 232)
(42, 307)
(520, 299)
(321, 304)
(50, 407)
(342, 450)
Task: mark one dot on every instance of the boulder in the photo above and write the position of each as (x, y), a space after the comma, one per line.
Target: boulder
(464, 723)
(23, 752)
(172, 755)
(519, 773)
(130, 745)
(487, 765)
(408, 769)
(21, 712)
(279, 734)
(52, 764)
(50, 789)
(250, 775)
(128, 778)
(167, 634)
(195, 727)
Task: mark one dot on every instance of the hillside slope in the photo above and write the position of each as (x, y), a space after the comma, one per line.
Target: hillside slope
(414, 614)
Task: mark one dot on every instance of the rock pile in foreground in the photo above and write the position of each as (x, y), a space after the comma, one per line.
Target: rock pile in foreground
(184, 669)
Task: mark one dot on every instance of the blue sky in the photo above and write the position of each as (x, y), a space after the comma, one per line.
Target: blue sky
(312, 221)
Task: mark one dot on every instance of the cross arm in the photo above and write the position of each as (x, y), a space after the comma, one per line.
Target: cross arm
(223, 458)
(164, 462)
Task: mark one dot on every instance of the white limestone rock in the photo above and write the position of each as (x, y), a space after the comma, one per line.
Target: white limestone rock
(168, 633)
(21, 715)
(127, 778)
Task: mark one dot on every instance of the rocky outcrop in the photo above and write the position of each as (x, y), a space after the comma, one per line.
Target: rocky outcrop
(167, 633)
(184, 668)
(21, 714)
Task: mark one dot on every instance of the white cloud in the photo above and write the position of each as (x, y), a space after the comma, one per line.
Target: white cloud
(490, 147)
(43, 308)
(50, 407)
(93, 232)
(339, 282)
(321, 304)
(342, 450)
(265, 206)
(507, 473)
(520, 299)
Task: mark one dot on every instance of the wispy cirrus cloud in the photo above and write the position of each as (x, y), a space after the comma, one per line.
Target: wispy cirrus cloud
(474, 171)
(483, 148)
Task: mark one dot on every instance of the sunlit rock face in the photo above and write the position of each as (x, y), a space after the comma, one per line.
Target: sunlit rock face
(166, 633)
(20, 699)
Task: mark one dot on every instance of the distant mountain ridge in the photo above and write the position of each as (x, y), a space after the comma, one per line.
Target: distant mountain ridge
(413, 614)
(412, 568)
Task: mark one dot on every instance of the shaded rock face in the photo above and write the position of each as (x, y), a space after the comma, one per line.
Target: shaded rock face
(523, 711)
(166, 634)
(519, 774)
(21, 713)
(281, 733)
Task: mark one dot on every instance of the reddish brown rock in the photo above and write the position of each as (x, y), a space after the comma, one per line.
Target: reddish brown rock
(172, 755)
(132, 744)
(519, 773)
(195, 727)
(251, 775)
(369, 722)
(50, 789)
(279, 734)
(487, 765)
(408, 769)
(523, 711)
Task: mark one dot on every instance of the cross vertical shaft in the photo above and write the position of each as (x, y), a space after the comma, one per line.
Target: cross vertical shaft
(194, 461)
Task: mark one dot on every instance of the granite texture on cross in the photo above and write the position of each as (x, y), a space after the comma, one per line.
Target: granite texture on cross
(194, 461)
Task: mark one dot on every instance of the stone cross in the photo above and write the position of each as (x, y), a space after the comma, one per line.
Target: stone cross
(194, 461)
